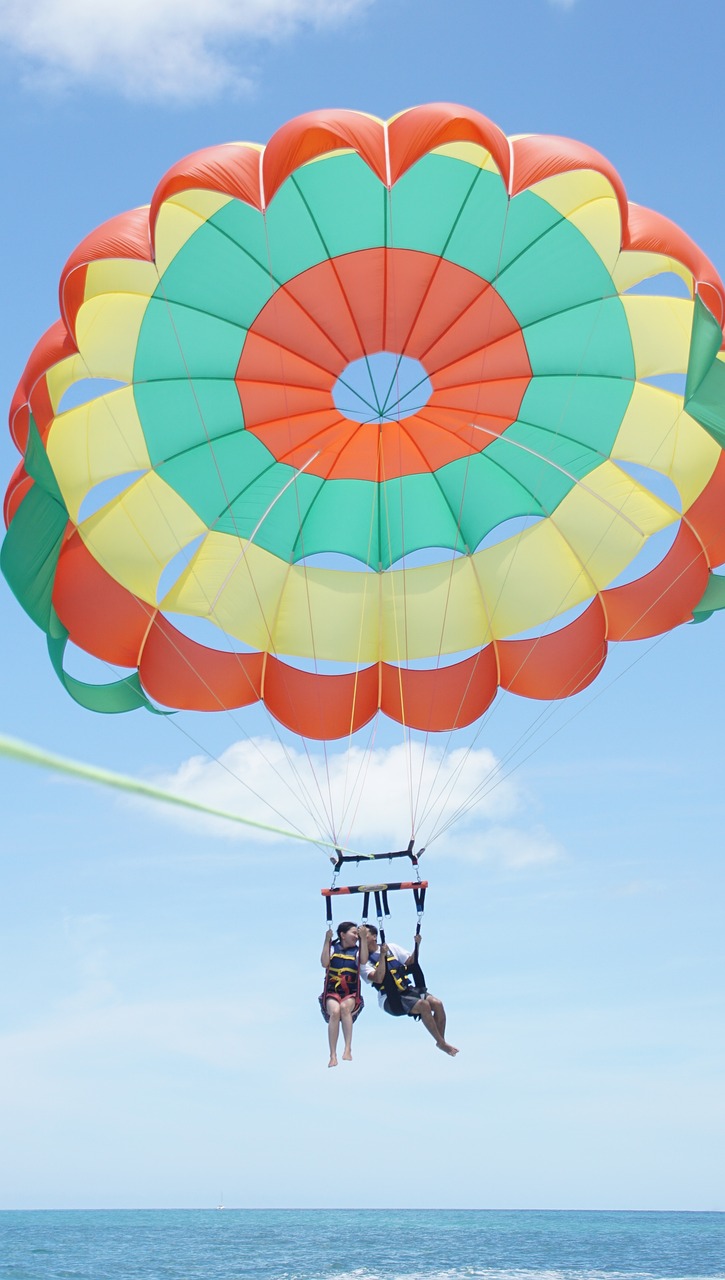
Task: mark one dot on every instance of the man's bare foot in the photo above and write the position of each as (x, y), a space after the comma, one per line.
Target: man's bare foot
(333, 1061)
(447, 1048)
(347, 1056)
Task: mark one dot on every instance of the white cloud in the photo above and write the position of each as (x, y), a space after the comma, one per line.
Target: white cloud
(369, 794)
(176, 50)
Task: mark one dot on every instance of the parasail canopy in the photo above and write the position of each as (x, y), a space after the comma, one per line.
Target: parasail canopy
(393, 407)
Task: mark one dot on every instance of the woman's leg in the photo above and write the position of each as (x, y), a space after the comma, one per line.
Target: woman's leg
(347, 1008)
(333, 1029)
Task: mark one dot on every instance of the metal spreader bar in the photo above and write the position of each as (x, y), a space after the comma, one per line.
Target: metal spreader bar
(374, 888)
(341, 858)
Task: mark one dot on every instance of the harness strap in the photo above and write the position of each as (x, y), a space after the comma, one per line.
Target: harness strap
(337, 982)
(394, 987)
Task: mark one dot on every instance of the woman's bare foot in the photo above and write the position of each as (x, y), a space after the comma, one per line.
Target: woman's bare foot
(448, 1048)
(347, 1056)
(333, 1061)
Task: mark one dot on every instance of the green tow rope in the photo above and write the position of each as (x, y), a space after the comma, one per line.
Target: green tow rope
(14, 749)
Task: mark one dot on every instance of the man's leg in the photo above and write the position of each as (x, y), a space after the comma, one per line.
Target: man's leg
(333, 1029)
(439, 1013)
(424, 1011)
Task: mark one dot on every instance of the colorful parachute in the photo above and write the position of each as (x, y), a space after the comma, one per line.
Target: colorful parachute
(388, 399)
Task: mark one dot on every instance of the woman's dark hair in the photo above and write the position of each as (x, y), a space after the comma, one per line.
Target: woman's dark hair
(343, 928)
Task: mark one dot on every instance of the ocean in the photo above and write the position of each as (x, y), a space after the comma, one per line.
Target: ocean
(349, 1244)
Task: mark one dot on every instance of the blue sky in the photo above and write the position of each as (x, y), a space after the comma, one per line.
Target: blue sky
(149, 1053)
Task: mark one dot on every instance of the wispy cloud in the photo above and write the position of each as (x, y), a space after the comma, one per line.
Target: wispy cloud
(87, 936)
(173, 50)
(218, 1032)
(367, 797)
(515, 847)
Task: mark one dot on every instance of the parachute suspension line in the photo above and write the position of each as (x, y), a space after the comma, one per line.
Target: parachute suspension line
(618, 513)
(458, 517)
(407, 744)
(361, 779)
(555, 706)
(377, 410)
(400, 658)
(447, 789)
(307, 801)
(328, 802)
(499, 773)
(367, 753)
(562, 725)
(300, 797)
(250, 540)
(460, 541)
(486, 720)
(320, 842)
(304, 794)
(441, 795)
(353, 793)
(415, 800)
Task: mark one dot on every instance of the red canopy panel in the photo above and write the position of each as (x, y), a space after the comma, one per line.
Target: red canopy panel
(705, 515)
(179, 672)
(556, 665)
(316, 134)
(663, 598)
(231, 169)
(445, 698)
(100, 616)
(125, 236)
(416, 132)
(320, 706)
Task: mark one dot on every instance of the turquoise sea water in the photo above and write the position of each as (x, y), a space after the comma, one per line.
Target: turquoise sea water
(188, 1244)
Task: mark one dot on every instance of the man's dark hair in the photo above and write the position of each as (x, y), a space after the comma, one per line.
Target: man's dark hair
(372, 929)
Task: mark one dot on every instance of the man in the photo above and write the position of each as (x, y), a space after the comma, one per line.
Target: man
(388, 969)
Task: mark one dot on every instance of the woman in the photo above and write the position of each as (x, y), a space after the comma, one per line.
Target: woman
(341, 1000)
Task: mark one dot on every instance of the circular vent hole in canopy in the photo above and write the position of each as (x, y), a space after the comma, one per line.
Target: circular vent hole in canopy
(383, 387)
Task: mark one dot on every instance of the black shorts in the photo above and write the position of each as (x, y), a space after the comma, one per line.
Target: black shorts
(408, 999)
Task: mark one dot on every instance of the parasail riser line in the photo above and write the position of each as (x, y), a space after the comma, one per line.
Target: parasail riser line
(15, 749)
